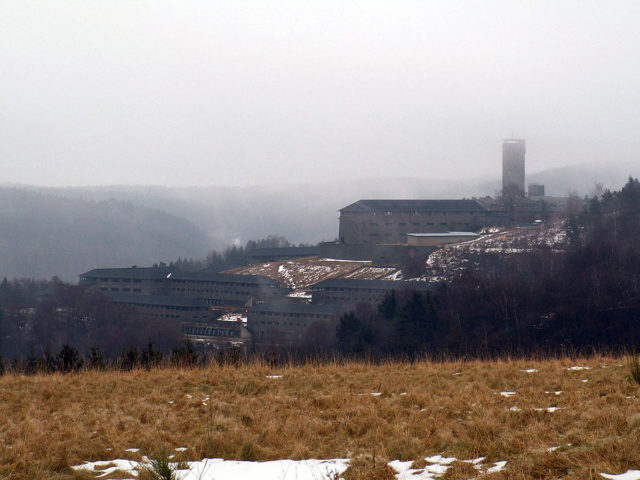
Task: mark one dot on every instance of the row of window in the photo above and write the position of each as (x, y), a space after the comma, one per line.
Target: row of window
(418, 224)
(210, 331)
(297, 315)
(205, 282)
(123, 280)
(211, 291)
(382, 291)
(105, 289)
(417, 214)
(284, 324)
(202, 283)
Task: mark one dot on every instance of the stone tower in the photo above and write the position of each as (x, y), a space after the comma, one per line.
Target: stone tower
(513, 150)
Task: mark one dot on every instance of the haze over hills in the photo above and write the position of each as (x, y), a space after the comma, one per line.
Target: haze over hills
(64, 231)
(43, 235)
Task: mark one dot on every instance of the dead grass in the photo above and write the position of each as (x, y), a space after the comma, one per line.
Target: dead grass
(50, 422)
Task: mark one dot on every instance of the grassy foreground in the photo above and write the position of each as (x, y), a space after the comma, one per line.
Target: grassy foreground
(256, 412)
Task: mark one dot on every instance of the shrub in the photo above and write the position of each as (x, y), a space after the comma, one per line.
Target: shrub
(634, 368)
(160, 468)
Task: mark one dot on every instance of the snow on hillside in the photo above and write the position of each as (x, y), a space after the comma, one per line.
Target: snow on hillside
(443, 264)
(300, 274)
(448, 262)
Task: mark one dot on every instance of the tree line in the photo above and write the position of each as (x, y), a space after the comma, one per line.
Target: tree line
(233, 256)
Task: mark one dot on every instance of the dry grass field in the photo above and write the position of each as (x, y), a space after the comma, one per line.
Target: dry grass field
(371, 414)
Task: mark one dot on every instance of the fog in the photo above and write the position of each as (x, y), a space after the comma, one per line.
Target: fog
(247, 92)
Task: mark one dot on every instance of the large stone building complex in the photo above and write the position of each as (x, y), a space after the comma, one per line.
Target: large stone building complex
(211, 288)
(387, 232)
(389, 221)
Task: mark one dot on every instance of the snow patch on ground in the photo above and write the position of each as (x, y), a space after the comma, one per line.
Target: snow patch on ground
(628, 475)
(300, 294)
(332, 469)
(548, 409)
(219, 469)
(234, 317)
(438, 466)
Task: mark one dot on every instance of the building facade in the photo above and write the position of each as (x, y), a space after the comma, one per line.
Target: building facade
(513, 152)
(289, 324)
(216, 333)
(389, 221)
(347, 292)
(210, 288)
(160, 306)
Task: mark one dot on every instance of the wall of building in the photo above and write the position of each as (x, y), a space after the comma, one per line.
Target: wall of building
(222, 293)
(513, 168)
(216, 332)
(392, 227)
(233, 293)
(270, 326)
(176, 312)
(341, 293)
(128, 285)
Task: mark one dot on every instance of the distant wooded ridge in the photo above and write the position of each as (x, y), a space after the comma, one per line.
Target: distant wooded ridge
(65, 231)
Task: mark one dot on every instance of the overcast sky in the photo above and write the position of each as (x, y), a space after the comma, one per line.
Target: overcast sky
(249, 92)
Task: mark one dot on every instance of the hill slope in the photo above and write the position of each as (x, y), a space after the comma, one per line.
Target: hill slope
(546, 419)
(44, 235)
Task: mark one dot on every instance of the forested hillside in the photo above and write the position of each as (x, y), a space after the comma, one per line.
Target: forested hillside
(542, 300)
(44, 235)
(308, 212)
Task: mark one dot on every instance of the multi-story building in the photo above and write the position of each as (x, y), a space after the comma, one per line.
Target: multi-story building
(288, 324)
(216, 333)
(388, 221)
(211, 288)
(348, 292)
(180, 309)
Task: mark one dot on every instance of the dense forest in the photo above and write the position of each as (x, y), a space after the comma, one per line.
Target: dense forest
(586, 297)
(233, 256)
(51, 325)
